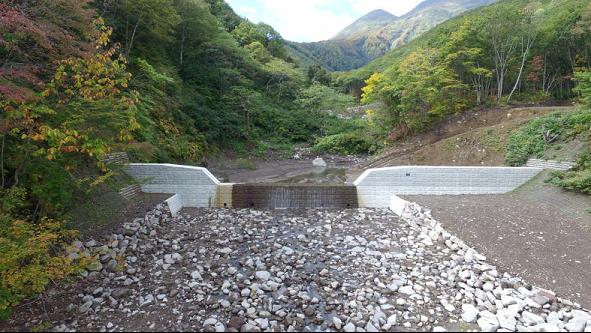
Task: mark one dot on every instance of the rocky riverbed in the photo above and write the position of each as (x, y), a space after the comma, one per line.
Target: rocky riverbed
(294, 270)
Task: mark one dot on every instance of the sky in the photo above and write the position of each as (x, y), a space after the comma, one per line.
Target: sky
(314, 20)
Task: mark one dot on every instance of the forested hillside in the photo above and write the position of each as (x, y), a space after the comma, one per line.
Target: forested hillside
(166, 81)
(513, 52)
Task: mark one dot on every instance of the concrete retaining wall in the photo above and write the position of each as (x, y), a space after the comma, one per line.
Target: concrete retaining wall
(375, 187)
(195, 187)
(550, 165)
(175, 204)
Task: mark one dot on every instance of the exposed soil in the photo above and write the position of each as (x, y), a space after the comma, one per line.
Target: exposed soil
(475, 138)
(286, 170)
(546, 246)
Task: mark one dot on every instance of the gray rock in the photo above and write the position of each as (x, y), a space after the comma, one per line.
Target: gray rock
(488, 322)
(263, 275)
(349, 328)
(469, 313)
(121, 293)
(111, 266)
(531, 319)
(540, 299)
(370, 328)
(507, 319)
(576, 325)
(336, 321)
(319, 162)
(545, 327)
(84, 308)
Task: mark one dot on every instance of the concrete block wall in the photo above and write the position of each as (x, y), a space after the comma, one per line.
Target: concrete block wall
(550, 164)
(375, 187)
(196, 186)
(175, 204)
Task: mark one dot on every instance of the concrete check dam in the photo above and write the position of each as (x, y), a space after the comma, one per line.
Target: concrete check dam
(195, 187)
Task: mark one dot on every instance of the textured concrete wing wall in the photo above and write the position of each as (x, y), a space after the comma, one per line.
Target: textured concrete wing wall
(196, 187)
(375, 187)
(175, 204)
(550, 165)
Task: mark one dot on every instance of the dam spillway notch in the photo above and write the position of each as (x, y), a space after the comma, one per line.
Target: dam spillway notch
(272, 196)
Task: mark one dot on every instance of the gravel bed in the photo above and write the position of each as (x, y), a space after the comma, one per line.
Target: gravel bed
(295, 270)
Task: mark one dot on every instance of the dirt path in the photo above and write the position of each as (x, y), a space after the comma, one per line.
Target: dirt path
(544, 245)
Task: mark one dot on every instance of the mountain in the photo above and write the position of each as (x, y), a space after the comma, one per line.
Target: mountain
(366, 25)
(374, 34)
(419, 20)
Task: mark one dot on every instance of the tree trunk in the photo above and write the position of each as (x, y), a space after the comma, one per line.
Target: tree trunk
(130, 46)
(525, 47)
(183, 42)
(503, 52)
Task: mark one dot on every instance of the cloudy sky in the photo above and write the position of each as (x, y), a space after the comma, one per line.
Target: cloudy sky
(314, 20)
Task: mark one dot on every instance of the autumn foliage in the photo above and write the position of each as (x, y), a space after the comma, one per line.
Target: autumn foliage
(65, 102)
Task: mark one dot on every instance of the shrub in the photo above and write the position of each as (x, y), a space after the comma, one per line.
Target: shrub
(533, 139)
(583, 80)
(579, 179)
(32, 253)
(343, 144)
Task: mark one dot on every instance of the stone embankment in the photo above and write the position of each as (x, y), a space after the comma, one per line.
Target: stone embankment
(297, 270)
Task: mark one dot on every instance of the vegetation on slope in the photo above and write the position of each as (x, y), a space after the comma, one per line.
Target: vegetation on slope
(548, 134)
(166, 80)
(511, 52)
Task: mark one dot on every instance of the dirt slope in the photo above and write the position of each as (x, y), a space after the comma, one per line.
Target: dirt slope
(470, 139)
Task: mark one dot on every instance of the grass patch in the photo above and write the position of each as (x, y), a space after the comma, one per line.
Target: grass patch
(246, 163)
(543, 135)
(492, 140)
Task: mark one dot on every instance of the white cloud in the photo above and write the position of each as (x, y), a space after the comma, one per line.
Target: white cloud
(314, 20)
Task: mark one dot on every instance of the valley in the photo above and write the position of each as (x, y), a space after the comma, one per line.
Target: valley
(172, 165)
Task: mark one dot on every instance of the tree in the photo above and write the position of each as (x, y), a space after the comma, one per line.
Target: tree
(83, 111)
(503, 43)
(317, 74)
(151, 22)
(196, 25)
(420, 89)
(527, 31)
(33, 36)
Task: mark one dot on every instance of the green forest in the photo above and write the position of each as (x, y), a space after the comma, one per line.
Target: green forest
(182, 80)
(165, 81)
(515, 52)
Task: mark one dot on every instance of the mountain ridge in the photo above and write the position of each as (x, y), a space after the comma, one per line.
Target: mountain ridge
(378, 32)
(373, 19)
